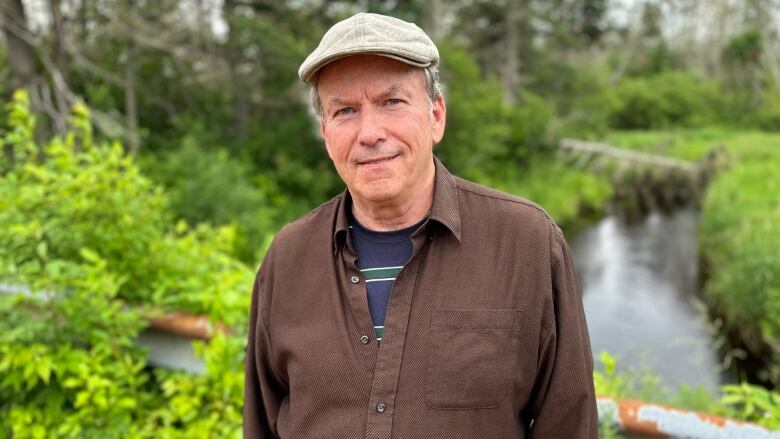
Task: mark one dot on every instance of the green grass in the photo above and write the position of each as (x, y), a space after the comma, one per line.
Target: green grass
(692, 144)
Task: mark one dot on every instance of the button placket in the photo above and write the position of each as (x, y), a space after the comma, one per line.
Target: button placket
(384, 385)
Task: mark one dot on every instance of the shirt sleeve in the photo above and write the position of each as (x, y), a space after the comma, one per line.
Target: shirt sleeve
(264, 392)
(565, 402)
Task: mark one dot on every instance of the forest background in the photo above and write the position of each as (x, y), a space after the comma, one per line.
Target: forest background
(151, 150)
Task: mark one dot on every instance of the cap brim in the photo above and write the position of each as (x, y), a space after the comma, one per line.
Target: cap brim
(309, 72)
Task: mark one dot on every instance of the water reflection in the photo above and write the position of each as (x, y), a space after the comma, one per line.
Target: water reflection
(637, 281)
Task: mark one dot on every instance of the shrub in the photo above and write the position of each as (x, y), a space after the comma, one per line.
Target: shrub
(209, 186)
(87, 246)
(767, 116)
(579, 92)
(669, 99)
(478, 133)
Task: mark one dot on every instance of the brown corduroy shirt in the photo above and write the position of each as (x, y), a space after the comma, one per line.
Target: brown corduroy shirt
(484, 336)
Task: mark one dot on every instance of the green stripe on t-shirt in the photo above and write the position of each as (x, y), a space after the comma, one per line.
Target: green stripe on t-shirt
(388, 273)
(378, 332)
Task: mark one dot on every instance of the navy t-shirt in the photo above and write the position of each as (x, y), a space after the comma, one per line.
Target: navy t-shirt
(381, 255)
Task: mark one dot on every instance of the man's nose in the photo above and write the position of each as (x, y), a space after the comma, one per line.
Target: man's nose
(372, 128)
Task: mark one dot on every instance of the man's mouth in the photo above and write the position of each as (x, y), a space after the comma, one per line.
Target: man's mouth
(377, 160)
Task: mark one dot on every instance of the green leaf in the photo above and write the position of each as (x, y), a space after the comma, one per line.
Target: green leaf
(44, 371)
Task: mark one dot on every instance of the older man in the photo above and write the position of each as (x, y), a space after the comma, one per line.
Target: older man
(415, 304)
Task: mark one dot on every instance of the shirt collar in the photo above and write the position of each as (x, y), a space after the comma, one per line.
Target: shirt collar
(444, 209)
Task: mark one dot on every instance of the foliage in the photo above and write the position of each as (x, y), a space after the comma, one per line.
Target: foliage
(57, 201)
(579, 93)
(207, 405)
(68, 363)
(569, 196)
(665, 100)
(607, 381)
(684, 144)
(75, 195)
(744, 48)
(472, 103)
(740, 235)
(210, 186)
(644, 385)
(86, 249)
(754, 404)
(767, 116)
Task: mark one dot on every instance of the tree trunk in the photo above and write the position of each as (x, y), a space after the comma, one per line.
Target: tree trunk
(510, 70)
(61, 67)
(24, 69)
(433, 11)
(238, 93)
(131, 107)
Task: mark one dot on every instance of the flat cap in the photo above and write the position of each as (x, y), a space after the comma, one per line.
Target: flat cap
(367, 33)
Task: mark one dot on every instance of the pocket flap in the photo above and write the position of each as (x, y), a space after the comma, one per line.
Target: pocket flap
(506, 319)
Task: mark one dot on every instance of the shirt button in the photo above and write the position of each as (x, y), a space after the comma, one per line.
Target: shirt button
(355, 279)
(430, 237)
(364, 339)
(380, 407)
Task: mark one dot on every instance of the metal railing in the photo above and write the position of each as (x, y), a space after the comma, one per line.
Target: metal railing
(641, 419)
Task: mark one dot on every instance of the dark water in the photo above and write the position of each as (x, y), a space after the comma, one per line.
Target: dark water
(638, 283)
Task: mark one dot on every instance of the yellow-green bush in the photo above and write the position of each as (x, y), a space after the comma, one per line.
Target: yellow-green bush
(88, 244)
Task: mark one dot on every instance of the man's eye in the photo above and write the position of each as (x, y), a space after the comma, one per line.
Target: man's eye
(393, 101)
(344, 111)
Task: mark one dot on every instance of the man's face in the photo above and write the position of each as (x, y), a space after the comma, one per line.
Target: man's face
(378, 127)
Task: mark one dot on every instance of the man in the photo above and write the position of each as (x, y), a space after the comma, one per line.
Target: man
(415, 304)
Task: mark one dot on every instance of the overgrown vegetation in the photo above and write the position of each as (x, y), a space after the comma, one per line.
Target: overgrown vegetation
(740, 236)
(89, 247)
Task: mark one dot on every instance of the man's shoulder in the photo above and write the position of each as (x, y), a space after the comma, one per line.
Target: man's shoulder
(491, 203)
(313, 223)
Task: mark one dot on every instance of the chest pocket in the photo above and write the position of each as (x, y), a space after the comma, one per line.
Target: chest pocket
(472, 357)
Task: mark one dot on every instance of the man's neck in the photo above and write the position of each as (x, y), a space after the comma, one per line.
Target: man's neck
(395, 214)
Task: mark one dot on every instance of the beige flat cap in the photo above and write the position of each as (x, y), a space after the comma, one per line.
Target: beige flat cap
(371, 34)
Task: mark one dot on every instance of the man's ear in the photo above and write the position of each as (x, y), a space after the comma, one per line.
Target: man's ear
(439, 115)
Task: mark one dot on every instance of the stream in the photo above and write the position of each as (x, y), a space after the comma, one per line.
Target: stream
(638, 283)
